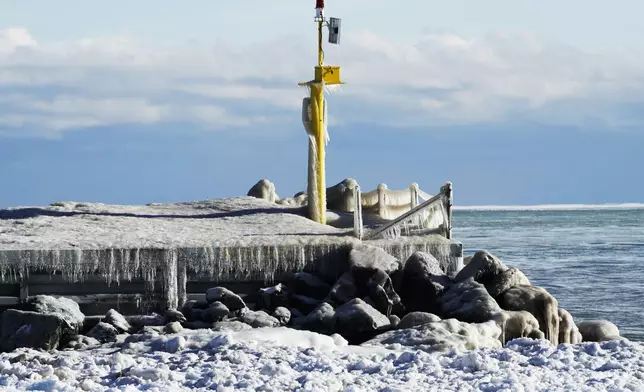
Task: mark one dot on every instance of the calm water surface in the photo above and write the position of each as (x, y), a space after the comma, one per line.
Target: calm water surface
(592, 261)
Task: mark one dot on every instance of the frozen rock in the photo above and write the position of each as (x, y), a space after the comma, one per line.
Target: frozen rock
(282, 314)
(233, 326)
(273, 297)
(377, 285)
(215, 312)
(304, 304)
(192, 309)
(468, 301)
(232, 301)
(173, 327)
(421, 282)
(517, 324)
(139, 321)
(172, 315)
(369, 256)
(539, 303)
(103, 332)
(568, 331)
(62, 307)
(598, 331)
(357, 320)
(482, 268)
(344, 290)
(152, 330)
(423, 263)
(394, 320)
(504, 281)
(415, 319)
(309, 285)
(82, 342)
(321, 319)
(440, 336)
(260, 319)
(264, 189)
(32, 329)
(117, 320)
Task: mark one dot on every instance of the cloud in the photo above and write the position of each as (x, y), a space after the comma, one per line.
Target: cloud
(441, 79)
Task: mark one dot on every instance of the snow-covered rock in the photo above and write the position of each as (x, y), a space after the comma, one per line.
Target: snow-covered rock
(541, 304)
(369, 256)
(468, 301)
(32, 329)
(232, 326)
(259, 319)
(356, 320)
(64, 308)
(483, 267)
(103, 332)
(415, 319)
(272, 297)
(282, 314)
(232, 301)
(117, 320)
(598, 331)
(173, 327)
(568, 331)
(506, 280)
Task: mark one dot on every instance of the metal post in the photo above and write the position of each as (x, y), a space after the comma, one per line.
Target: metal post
(447, 191)
(357, 212)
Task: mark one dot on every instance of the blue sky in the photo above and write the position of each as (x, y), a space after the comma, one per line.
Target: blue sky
(516, 102)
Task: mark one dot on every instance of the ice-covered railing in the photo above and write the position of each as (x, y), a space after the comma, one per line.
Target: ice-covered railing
(411, 212)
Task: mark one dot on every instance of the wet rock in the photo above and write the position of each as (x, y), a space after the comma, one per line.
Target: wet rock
(468, 301)
(103, 332)
(117, 320)
(233, 326)
(260, 319)
(283, 315)
(357, 321)
(31, 329)
(273, 297)
(215, 312)
(482, 268)
(304, 304)
(415, 319)
(321, 319)
(441, 336)
(309, 285)
(369, 256)
(598, 331)
(538, 302)
(504, 281)
(232, 301)
(173, 327)
(343, 291)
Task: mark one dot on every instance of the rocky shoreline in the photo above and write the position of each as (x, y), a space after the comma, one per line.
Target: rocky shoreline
(381, 301)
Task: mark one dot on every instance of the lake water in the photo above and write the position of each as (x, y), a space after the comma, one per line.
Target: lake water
(592, 261)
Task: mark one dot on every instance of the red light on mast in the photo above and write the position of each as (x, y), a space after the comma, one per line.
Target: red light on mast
(319, 4)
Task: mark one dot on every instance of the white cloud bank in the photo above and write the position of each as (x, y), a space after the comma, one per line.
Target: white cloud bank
(47, 89)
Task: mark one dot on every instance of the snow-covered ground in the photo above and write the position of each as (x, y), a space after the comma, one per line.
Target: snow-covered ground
(280, 359)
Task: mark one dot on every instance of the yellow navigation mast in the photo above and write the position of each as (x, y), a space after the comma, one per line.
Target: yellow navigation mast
(314, 116)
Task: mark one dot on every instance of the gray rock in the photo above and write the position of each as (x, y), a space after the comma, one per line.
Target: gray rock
(31, 329)
(172, 315)
(394, 320)
(415, 319)
(304, 304)
(423, 263)
(117, 320)
(468, 301)
(422, 282)
(192, 309)
(321, 319)
(63, 308)
(344, 290)
(233, 326)
(483, 268)
(504, 281)
(173, 327)
(598, 331)
(82, 342)
(260, 319)
(309, 285)
(377, 286)
(273, 297)
(369, 256)
(215, 312)
(103, 332)
(139, 321)
(283, 315)
(152, 330)
(357, 321)
(232, 301)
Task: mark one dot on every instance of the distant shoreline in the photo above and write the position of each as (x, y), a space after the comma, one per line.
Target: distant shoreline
(553, 207)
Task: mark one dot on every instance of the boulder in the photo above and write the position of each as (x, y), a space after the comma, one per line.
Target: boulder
(192, 309)
(272, 297)
(63, 308)
(173, 327)
(172, 315)
(264, 189)
(394, 320)
(369, 256)
(538, 302)
(421, 282)
(259, 319)
(309, 285)
(517, 324)
(343, 291)
(415, 319)
(82, 342)
(117, 320)
(232, 326)
(321, 320)
(568, 331)
(139, 321)
(504, 281)
(304, 305)
(282, 315)
(468, 301)
(215, 312)
(441, 336)
(377, 285)
(32, 329)
(103, 332)
(482, 268)
(232, 301)
(357, 321)
(598, 331)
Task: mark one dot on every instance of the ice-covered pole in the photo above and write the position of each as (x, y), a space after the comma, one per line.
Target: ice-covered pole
(315, 123)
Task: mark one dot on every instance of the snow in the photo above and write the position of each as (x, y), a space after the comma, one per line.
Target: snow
(279, 359)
